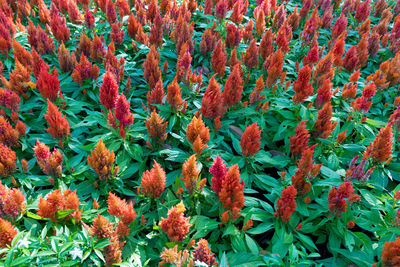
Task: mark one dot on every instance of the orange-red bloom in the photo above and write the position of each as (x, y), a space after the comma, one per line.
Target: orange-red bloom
(174, 96)
(7, 233)
(58, 25)
(12, 202)
(286, 204)
(190, 175)
(274, 65)
(102, 160)
(250, 59)
(153, 181)
(196, 128)
(323, 124)
(155, 95)
(156, 127)
(66, 60)
(337, 198)
(218, 59)
(49, 85)
(250, 140)
(302, 85)
(203, 253)
(58, 201)
(233, 89)
(176, 225)
(109, 91)
(8, 160)
(231, 194)
(212, 102)
(121, 209)
(59, 126)
(391, 253)
(218, 170)
(383, 145)
(49, 163)
(8, 135)
(84, 70)
(123, 114)
(299, 142)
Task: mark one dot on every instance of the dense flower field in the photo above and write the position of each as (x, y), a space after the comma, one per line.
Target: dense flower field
(199, 133)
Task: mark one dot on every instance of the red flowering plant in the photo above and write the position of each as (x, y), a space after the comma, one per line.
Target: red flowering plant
(219, 132)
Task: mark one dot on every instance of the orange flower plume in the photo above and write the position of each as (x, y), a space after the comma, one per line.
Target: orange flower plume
(57, 201)
(7, 233)
(84, 70)
(196, 128)
(49, 163)
(302, 85)
(9, 99)
(123, 114)
(176, 225)
(255, 95)
(58, 25)
(8, 135)
(286, 204)
(155, 95)
(174, 97)
(274, 66)
(151, 69)
(218, 59)
(59, 126)
(337, 198)
(391, 253)
(156, 127)
(383, 145)
(8, 160)
(323, 124)
(212, 102)
(183, 65)
(12, 202)
(109, 91)
(250, 59)
(203, 253)
(49, 85)
(250, 141)
(299, 142)
(102, 160)
(123, 211)
(66, 60)
(190, 175)
(233, 89)
(231, 194)
(153, 181)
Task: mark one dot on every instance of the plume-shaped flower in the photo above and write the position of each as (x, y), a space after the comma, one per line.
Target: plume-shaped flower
(302, 85)
(219, 171)
(8, 135)
(12, 202)
(102, 161)
(202, 253)
(153, 181)
(49, 85)
(59, 126)
(250, 59)
(84, 70)
(123, 114)
(323, 124)
(151, 70)
(174, 96)
(383, 145)
(155, 96)
(299, 142)
(121, 209)
(218, 59)
(176, 225)
(66, 60)
(212, 102)
(8, 160)
(109, 91)
(391, 253)
(233, 89)
(250, 140)
(57, 201)
(7, 233)
(49, 163)
(156, 127)
(337, 198)
(190, 175)
(286, 204)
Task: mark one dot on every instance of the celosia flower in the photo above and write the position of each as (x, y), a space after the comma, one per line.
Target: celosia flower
(286, 204)
(233, 60)
(49, 163)
(237, 14)
(58, 25)
(74, 14)
(21, 128)
(250, 59)
(363, 11)
(57, 201)
(8, 135)
(183, 65)
(274, 65)
(231, 194)
(85, 44)
(153, 181)
(85, 70)
(202, 253)
(12, 202)
(156, 127)
(339, 27)
(190, 175)
(38, 39)
(121, 209)
(8, 160)
(383, 144)
(391, 253)
(233, 89)
(110, 12)
(66, 60)
(196, 128)
(357, 171)
(220, 9)
(102, 160)
(89, 19)
(174, 97)
(19, 79)
(250, 140)
(324, 93)
(299, 142)
(323, 124)
(350, 59)
(96, 48)
(123, 114)
(279, 17)
(337, 198)
(302, 85)
(312, 56)
(255, 95)
(117, 35)
(9, 99)
(176, 225)
(341, 136)
(212, 102)
(7, 233)
(219, 171)
(209, 40)
(109, 91)
(21, 54)
(218, 58)
(266, 45)
(155, 95)
(49, 85)
(183, 34)
(233, 35)
(151, 70)
(156, 32)
(59, 126)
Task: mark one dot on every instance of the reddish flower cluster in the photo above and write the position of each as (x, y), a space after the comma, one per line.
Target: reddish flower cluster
(9, 99)
(357, 171)
(286, 204)
(155, 96)
(250, 140)
(153, 181)
(323, 124)
(190, 176)
(7, 160)
(337, 198)
(381, 148)
(84, 70)
(58, 25)
(58, 201)
(218, 59)
(231, 194)
(299, 142)
(212, 102)
(174, 97)
(151, 69)
(59, 126)
(219, 171)
(66, 60)
(176, 225)
(49, 163)
(109, 91)
(102, 160)
(198, 134)
(156, 127)
(12, 202)
(233, 89)
(49, 85)
(202, 253)
(363, 103)
(123, 211)
(123, 114)
(7, 233)
(302, 85)
(391, 253)
(8, 135)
